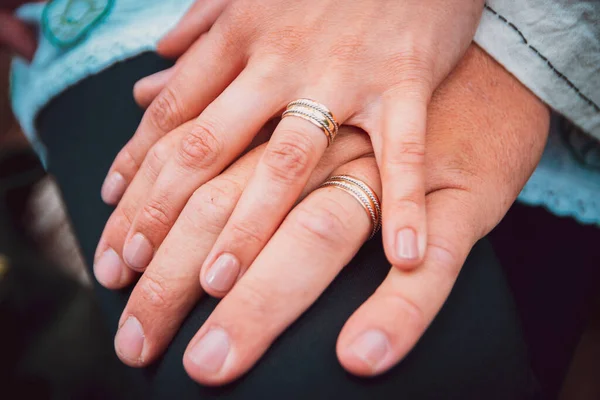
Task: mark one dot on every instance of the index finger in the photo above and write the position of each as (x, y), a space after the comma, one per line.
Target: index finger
(318, 238)
(206, 71)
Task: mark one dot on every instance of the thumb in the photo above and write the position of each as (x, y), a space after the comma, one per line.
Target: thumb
(387, 326)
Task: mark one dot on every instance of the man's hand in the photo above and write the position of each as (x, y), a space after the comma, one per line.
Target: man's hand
(486, 133)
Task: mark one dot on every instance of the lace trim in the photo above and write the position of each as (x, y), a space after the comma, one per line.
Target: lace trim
(540, 193)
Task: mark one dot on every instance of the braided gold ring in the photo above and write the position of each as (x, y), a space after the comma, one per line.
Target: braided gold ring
(315, 113)
(361, 192)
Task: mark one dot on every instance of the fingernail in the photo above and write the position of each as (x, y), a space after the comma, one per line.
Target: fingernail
(108, 268)
(113, 188)
(406, 244)
(222, 274)
(211, 351)
(129, 341)
(138, 252)
(371, 347)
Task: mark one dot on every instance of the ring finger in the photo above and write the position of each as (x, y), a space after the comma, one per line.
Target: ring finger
(169, 286)
(209, 144)
(109, 268)
(283, 171)
(317, 239)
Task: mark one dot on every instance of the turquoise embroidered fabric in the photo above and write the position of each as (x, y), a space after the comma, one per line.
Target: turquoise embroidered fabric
(67, 54)
(82, 37)
(65, 22)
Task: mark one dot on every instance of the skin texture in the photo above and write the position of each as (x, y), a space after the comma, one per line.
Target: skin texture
(377, 73)
(486, 133)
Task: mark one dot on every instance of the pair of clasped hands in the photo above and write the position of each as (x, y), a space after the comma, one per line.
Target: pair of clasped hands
(214, 196)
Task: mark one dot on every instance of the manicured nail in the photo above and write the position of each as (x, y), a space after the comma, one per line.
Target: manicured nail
(222, 274)
(113, 188)
(371, 347)
(108, 268)
(138, 252)
(406, 244)
(129, 341)
(211, 351)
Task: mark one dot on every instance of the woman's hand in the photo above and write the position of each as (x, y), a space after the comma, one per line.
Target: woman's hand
(373, 63)
(486, 133)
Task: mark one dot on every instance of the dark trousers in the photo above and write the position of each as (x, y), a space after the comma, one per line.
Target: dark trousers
(472, 350)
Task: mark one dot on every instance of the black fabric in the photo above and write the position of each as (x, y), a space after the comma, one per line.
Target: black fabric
(473, 349)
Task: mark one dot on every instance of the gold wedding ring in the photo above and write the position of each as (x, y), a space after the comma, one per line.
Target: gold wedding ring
(315, 113)
(361, 192)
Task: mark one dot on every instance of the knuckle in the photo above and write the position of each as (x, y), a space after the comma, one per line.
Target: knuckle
(212, 203)
(116, 228)
(407, 154)
(124, 214)
(155, 213)
(443, 256)
(156, 158)
(406, 306)
(200, 147)
(126, 160)
(413, 71)
(160, 152)
(248, 233)
(409, 205)
(289, 159)
(413, 57)
(323, 222)
(153, 290)
(165, 112)
(120, 220)
(260, 304)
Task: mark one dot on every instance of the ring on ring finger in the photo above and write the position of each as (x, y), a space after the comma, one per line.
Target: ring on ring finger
(315, 113)
(361, 192)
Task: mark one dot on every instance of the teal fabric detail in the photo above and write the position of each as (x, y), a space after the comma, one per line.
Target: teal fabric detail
(129, 29)
(66, 22)
(567, 179)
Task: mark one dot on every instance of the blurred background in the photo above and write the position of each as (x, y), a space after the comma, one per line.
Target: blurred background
(54, 344)
(53, 341)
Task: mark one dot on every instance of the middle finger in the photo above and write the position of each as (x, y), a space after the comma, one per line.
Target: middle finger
(169, 287)
(290, 157)
(318, 238)
(214, 140)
